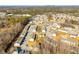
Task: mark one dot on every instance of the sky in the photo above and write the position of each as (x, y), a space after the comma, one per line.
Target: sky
(39, 2)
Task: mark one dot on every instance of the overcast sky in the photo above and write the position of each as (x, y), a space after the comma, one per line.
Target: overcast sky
(39, 2)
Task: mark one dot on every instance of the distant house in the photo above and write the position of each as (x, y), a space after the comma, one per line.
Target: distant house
(2, 14)
(18, 15)
(10, 15)
(26, 15)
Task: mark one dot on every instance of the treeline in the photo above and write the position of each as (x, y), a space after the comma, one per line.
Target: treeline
(33, 10)
(9, 27)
